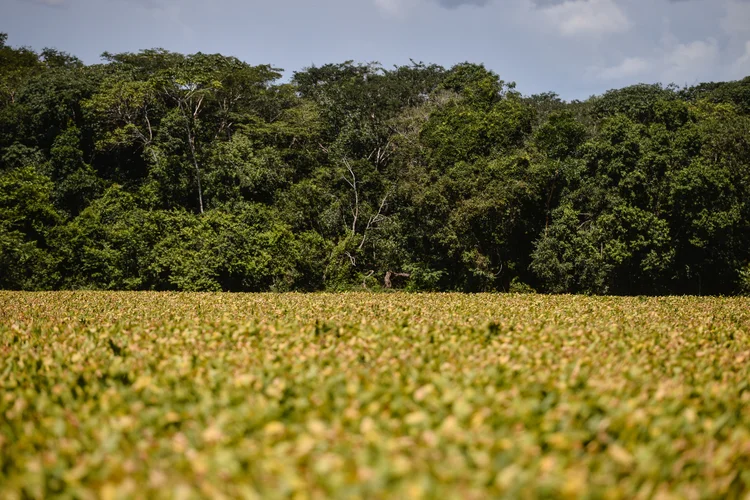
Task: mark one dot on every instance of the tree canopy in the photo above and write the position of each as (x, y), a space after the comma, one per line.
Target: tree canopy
(165, 171)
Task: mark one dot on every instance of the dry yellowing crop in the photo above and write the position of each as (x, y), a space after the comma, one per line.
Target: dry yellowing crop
(356, 395)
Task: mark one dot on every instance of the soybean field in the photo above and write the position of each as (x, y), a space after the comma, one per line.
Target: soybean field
(358, 395)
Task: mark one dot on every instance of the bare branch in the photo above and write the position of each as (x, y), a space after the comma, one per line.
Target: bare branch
(364, 280)
(148, 124)
(352, 259)
(191, 143)
(383, 153)
(387, 281)
(374, 220)
(353, 185)
(198, 107)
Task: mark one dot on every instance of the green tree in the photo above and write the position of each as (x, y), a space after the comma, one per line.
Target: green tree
(26, 218)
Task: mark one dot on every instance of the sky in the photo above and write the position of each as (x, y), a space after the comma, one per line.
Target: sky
(576, 48)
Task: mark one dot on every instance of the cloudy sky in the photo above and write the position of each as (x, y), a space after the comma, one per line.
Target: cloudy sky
(574, 47)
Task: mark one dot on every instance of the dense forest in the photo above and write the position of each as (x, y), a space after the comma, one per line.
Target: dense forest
(162, 171)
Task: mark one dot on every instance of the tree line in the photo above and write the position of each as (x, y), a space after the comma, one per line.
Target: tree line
(163, 171)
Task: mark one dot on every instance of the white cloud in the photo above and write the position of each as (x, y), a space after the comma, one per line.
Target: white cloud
(395, 8)
(629, 67)
(586, 17)
(687, 62)
(736, 27)
(399, 8)
(674, 62)
(392, 7)
(741, 67)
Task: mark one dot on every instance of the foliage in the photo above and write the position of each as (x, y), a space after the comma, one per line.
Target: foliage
(157, 170)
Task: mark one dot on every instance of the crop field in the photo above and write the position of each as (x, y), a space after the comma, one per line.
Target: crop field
(122, 395)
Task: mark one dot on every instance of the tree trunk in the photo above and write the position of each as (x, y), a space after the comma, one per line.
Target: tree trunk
(191, 143)
(387, 281)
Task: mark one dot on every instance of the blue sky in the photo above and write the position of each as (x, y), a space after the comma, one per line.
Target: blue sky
(574, 47)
